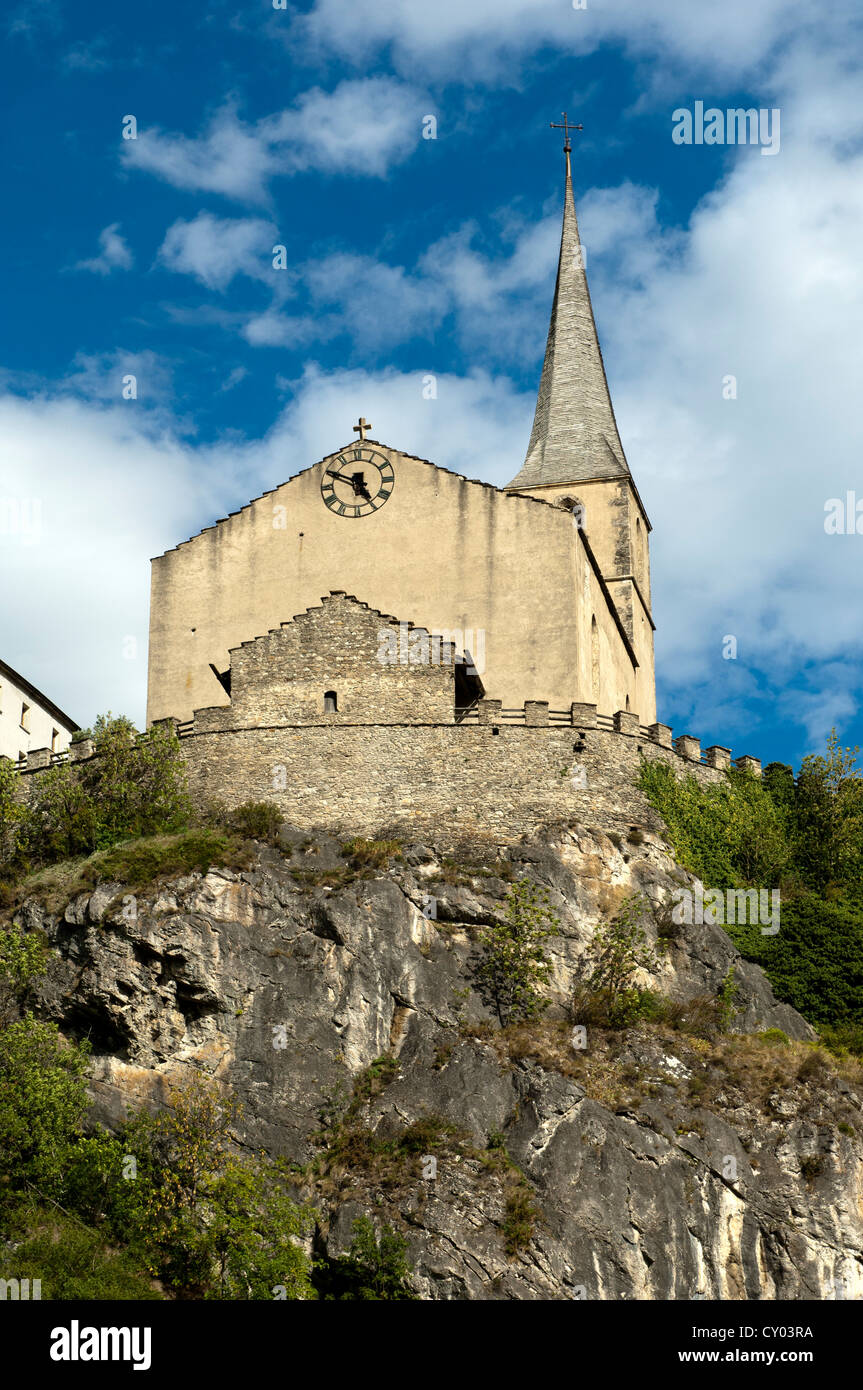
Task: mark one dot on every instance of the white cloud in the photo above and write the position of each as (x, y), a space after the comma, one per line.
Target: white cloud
(114, 253)
(491, 39)
(377, 303)
(234, 377)
(765, 285)
(116, 485)
(493, 298)
(120, 375)
(87, 56)
(216, 249)
(364, 126)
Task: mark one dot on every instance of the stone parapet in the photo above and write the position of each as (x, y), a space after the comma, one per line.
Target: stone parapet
(661, 734)
(688, 747)
(626, 723)
(488, 711)
(748, 764)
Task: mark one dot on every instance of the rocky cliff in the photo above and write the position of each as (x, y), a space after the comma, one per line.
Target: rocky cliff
(658, 1162)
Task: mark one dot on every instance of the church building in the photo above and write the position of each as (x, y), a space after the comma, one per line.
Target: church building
(541, 589)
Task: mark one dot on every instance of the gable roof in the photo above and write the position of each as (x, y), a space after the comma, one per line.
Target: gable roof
(36, 695)
(523, 498)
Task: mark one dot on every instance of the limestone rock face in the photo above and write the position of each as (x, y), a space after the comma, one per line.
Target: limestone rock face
(656, 1164)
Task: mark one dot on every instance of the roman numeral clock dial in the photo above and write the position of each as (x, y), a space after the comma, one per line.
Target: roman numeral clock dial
(357, 482)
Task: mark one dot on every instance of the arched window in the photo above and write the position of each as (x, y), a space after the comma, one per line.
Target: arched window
(594, 659)
(627, 704)
(331, 702)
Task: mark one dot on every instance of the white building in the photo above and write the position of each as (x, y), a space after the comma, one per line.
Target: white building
(28, 719)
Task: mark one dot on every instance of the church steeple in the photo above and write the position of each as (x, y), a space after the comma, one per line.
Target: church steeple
(574, 436)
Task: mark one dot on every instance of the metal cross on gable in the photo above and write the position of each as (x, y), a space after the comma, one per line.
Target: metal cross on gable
(566, 128)
(361, 427)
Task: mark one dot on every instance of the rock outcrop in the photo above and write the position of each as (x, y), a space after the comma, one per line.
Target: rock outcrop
(653, 1163)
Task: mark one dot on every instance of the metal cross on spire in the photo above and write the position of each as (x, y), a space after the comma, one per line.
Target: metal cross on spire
(566, 128)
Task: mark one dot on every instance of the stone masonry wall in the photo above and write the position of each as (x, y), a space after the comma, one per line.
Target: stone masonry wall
(489, 780)
(496, 782)
(282, 677)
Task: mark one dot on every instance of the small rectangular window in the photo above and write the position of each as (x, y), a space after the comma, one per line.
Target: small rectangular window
(55, 738)
(25, 717)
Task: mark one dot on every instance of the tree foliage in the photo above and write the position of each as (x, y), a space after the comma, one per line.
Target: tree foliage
(375, 1267)
(133, 786)
(511, 967)
(803, 836)
(607, 992)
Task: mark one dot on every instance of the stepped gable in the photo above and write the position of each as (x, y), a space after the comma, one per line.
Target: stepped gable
(340, 661)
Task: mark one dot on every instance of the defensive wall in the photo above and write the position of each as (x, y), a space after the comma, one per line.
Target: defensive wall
(347, 719)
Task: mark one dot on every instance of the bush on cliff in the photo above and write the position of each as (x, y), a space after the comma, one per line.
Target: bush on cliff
(607, 993)
(11, 818)
(511, 966)
(375, 1267)
(135, 785)
(43, 1099)
(805, 837)
(204, 1218)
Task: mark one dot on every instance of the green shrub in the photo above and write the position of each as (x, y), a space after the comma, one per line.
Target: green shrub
(727, 834)
(209, 1222)
(134, 786)
(511, 966)
(520, 1215)
(376, 1077)
(727, 999)
(72, 1261)
(257, 820)
(806, 838)
(815, 962)
(371, 854)
(375, 1267)
(843, 1040)
(43, 1099)
(607, 993)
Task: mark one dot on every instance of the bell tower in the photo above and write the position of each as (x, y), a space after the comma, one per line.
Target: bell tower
(575, 457)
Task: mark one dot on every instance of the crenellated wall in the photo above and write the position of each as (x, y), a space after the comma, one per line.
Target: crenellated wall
(498, 775)
(355, 722)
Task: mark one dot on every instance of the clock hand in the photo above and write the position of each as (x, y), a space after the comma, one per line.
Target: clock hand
(356, 480)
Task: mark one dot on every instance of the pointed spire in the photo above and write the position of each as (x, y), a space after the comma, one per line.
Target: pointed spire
(574, 436)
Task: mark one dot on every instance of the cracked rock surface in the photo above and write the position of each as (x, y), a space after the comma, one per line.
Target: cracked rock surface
(657, 1164)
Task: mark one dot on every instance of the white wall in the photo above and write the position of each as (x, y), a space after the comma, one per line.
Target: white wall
(14, 739)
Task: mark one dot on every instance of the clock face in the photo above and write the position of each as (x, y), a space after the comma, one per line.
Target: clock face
(358, 481)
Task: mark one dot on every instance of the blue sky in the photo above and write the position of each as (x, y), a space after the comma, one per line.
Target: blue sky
(303, 127)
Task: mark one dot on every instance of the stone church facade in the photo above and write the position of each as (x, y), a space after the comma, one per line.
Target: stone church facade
(542, 587)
